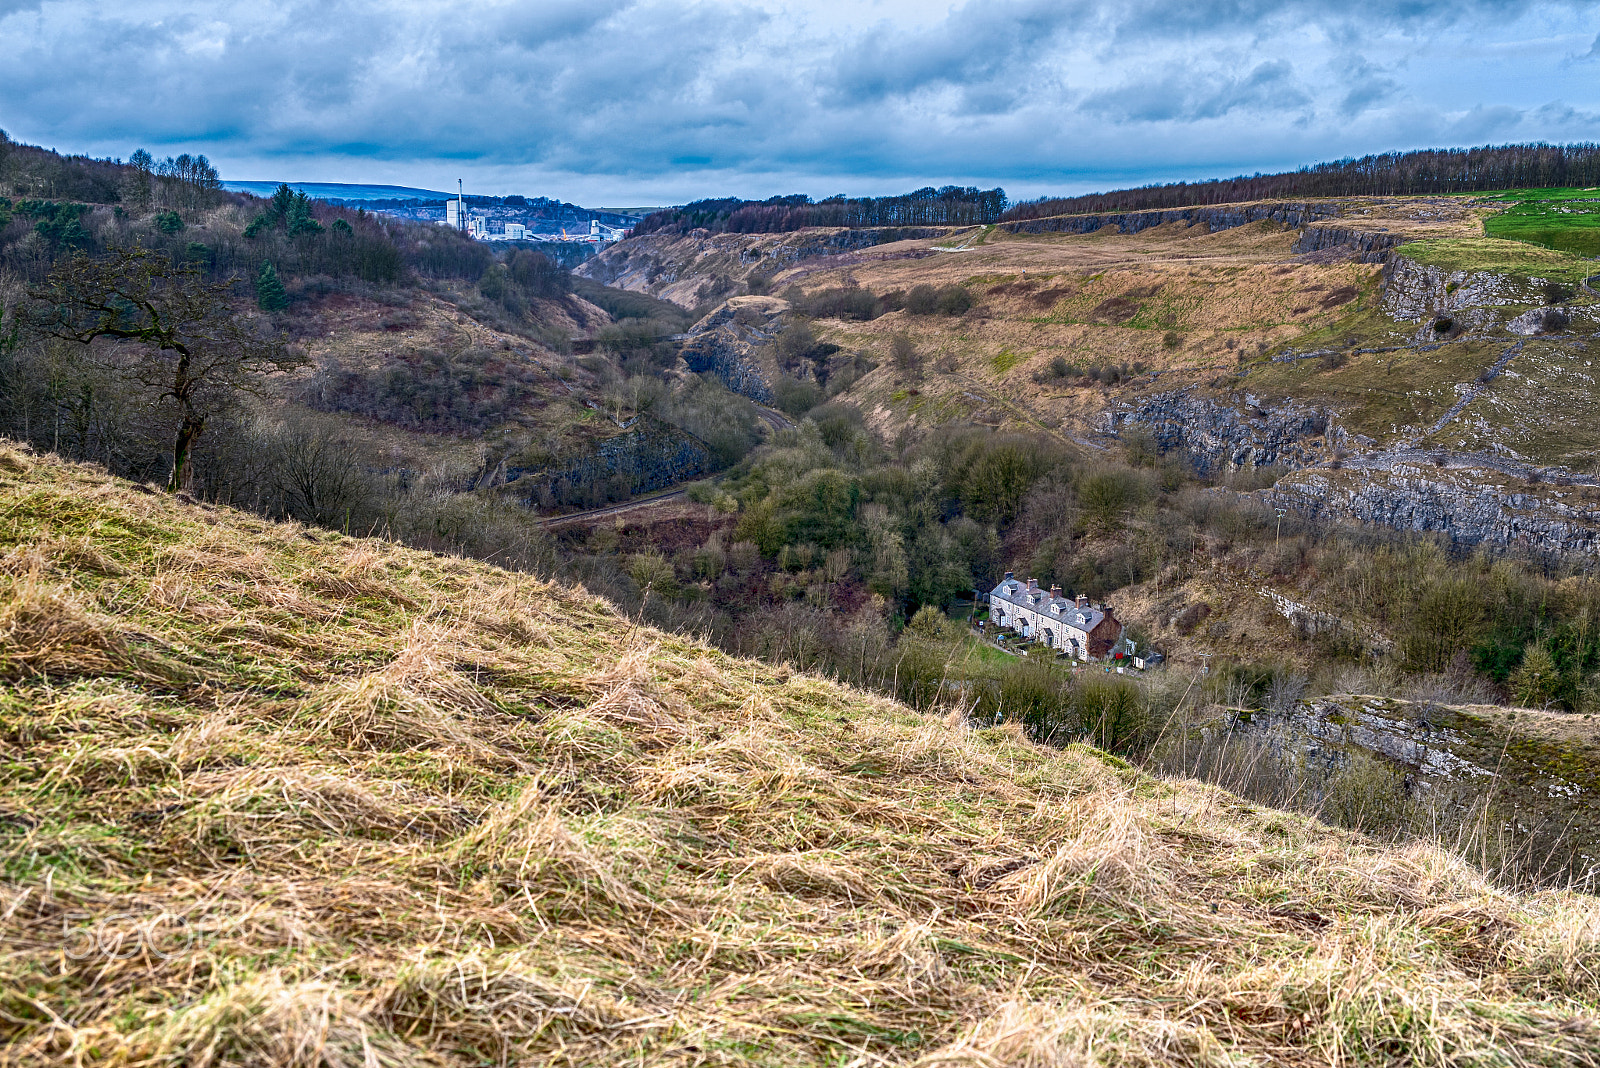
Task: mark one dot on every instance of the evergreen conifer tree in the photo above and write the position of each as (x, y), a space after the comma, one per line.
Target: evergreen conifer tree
(299, 219)
(270, 294)
(282, 200)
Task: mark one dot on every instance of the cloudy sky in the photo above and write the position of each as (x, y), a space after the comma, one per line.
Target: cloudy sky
(647, 102)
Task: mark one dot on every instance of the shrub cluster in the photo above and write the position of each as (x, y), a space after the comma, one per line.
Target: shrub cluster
(1060, 370)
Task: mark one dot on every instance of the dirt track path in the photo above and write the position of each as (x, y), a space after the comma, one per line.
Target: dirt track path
(611, 510)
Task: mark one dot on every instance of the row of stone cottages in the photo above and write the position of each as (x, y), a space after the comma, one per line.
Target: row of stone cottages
(1082, 630)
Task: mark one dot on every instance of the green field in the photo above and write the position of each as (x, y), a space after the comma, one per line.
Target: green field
(1564, 223)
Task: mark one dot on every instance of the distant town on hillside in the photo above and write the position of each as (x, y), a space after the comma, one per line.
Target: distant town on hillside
(491, 218)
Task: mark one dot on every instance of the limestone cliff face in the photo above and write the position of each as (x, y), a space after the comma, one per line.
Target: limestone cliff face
(1472, 500)
(1413, 291)
(1540, 771)
(694, 267)
(646, 457)
(1369, 246)
(1289, 214)
(1222, 434)
(726, 343)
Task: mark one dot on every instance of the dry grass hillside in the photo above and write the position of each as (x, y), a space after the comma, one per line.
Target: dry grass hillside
(425, 383)
(1179, 306)
(271, 795)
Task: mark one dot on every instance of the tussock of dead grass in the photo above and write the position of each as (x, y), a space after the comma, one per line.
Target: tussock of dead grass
(418, 701)
(265, 813)
(45, 628)
(402, 810)
(268, 1021)
(1026, 1035)
(502, 1005)
(1106, 854)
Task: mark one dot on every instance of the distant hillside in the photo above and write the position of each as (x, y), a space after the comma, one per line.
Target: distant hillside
(1421, 173)
(948, 206)
(339, 190)
(275, 796)
(430, 367)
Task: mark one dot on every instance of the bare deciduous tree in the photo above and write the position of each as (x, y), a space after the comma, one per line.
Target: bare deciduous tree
(163, 326)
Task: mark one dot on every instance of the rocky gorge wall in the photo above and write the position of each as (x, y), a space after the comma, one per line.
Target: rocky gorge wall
(1370, 246)
(656, 263)
(1467, 500)
(1227, 217)
(1473, 499)
(647, 457)
(724, 344)
(1414, 291)
(1226, 434)
(807, 244)
(1538, 772)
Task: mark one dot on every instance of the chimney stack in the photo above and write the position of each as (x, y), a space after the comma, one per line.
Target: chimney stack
(1010, 575)
(1083, 600)
(1055, 593)
(1033, 584)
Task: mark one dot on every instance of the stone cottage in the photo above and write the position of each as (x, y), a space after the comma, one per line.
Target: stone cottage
(1073, 626)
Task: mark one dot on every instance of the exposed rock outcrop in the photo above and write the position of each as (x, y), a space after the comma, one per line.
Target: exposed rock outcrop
(698, 266)
(1221, 435)
(724, 343)
(1471, 502)
(1472, 499)
(1414, 291)
(647, 457)
(1369, 246)
(1541, 321)
(1539, 772)
(1289, 214)
(790, 248)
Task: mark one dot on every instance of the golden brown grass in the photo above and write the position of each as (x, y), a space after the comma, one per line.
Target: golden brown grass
(376, 807)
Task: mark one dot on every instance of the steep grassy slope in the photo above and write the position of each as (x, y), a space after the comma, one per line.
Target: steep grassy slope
(275, 796)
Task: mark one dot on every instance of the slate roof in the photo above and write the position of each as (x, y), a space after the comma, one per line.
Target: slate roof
(1016, 592)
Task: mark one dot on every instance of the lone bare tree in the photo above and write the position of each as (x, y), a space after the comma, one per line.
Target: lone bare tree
(164, 327)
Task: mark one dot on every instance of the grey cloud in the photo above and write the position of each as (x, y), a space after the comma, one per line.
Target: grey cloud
(638, 91)
(538, 27)
(1270, 86)
(975, 43)
(1366, 95)
(1484, 123)
(1574, 123)
(1145, 20)
(1365, 86)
